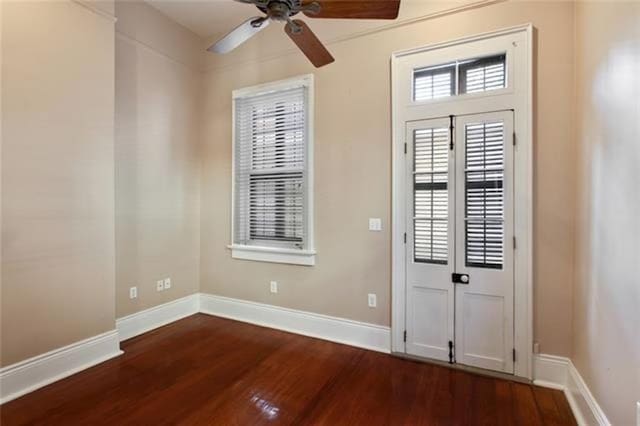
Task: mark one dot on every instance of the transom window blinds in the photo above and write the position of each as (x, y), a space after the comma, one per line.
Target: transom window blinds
(434, 82)
(484, 198)
(271, 169)
(480, 75)
(431, 196)
(460, 77)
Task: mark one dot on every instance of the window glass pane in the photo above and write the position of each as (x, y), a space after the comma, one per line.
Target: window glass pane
(482, 74)
(276, 207)
(431, 196)
(484, 198)
(434, 82)
(270, 169)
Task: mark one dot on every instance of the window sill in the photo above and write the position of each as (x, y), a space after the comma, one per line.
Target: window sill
(274, 255)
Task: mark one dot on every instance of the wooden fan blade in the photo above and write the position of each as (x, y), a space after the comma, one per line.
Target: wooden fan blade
(307, 41)
(354, 9)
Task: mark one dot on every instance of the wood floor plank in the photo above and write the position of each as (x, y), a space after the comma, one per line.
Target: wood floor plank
(204, 370)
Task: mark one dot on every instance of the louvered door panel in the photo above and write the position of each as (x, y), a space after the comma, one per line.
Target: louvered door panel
(429, 239)
(431, 195)
(484, 197)
(484, 194)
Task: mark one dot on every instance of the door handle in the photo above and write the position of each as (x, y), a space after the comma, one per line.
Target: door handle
(460, 278)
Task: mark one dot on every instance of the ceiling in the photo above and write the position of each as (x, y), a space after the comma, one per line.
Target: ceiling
(211, 18)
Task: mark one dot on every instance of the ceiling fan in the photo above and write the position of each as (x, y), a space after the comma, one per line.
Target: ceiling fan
(298, 30)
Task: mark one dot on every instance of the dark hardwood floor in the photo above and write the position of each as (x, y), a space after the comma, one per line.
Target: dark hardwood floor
(205, 370)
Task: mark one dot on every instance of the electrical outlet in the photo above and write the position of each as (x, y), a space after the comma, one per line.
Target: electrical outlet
(160, 285)
(536, 347)
(167, 283)
(372, 299)
(133, 292)
(273, 287)
(375, 224)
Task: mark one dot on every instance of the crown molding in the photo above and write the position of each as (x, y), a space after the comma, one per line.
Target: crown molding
(393, 25)
(88, 5)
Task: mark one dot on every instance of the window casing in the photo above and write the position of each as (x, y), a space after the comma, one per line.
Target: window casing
(272, 207)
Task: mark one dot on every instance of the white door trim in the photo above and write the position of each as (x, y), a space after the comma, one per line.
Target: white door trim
(522, 100)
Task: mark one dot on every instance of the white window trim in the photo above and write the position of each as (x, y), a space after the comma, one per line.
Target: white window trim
(522, 101)
(306, 256)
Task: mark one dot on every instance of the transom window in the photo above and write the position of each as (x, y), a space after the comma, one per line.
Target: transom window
(460, 77)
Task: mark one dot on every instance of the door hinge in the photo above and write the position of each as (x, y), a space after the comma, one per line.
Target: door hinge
(405, 335)
(451, 117)
(405, 147)
(514, 138)
(514, 243)
(405, 238)
(514, 354)
(450, 352)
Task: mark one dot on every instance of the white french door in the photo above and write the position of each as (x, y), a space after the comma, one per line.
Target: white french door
(460, 279)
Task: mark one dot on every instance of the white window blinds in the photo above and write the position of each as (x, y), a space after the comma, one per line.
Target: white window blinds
(434, 82)
(271, 169)
(460, 77)
(484, 198)
(484, 74)
(431, 195)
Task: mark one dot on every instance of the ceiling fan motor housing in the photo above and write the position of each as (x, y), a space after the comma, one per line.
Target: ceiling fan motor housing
(280, 10)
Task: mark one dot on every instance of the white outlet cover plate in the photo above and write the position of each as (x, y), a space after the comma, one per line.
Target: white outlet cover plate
(167, 283)
(133, 292)
(160, 285)
(273, 286)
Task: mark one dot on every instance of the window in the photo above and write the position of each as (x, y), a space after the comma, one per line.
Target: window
(434, 82)
(431, 195)
(272, 218)
(460, 77)
(484, 171)
(481, 75)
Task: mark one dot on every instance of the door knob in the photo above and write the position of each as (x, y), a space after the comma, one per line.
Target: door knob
(460, 278)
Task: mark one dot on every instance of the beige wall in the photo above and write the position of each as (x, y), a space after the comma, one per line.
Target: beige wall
(156, 157)
(57, 176)
(607, 287)
(353, 170)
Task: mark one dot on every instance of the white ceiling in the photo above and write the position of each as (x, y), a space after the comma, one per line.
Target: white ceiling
(209, 18)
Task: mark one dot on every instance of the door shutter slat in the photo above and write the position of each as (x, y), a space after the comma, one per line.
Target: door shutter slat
(431, 195)
(484, 194)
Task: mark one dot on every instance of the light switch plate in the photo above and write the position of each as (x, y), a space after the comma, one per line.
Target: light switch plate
(372, 300)
(160, 285)
(167, 283)
(375, 224)
(133, 292)
(273, 287)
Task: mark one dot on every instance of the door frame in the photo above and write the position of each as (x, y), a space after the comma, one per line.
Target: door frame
(518, 97)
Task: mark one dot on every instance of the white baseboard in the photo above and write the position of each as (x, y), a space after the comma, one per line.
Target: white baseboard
(157, 316)
(560, 373)
(31, 374)
(339, 330)
(550, 371)
(34, 373)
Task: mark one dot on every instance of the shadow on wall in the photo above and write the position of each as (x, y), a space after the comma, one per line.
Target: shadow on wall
(608, 282)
